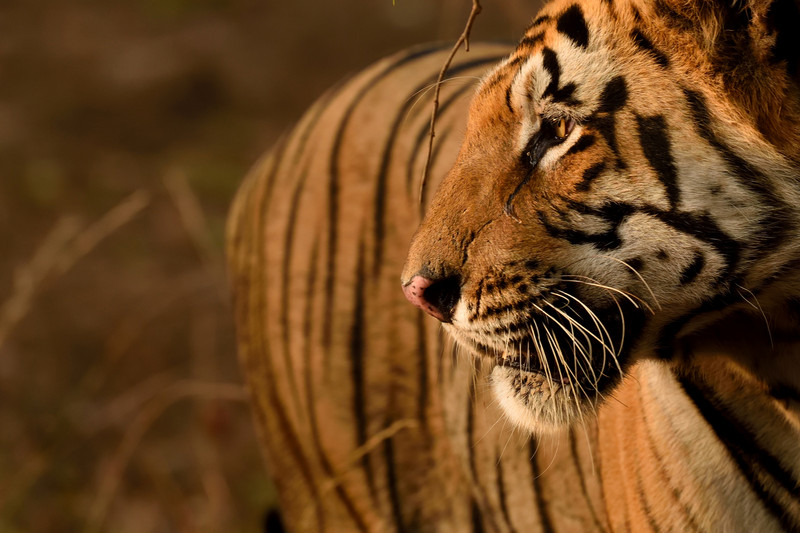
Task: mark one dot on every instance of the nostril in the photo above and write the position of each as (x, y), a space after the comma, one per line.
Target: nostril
(444, 295)
(437, 298)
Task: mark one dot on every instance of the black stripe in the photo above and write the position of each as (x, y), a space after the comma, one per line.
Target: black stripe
(538, 20)
(261, 346)
(530, 41)
(663, 471)
(391, 478)
(279, 151)
(614, 96)
(422, 351)
(477, 522)
(583, 143)
(500, 74)
(572, 24)
(311, 282)
(702, 227)
(285, 305)
(615, 213)
(589, 175)
(636, 263)
(357, 362)
(311, 285)
(785, 392)
(606, 126)
(541, 505)
(645, 45)
(612, 99)
(693, 270)
(582, 480)
(473, 465)
(550, 64)
(501, 494)
(439, 378)
(754, 462)
(558, 94)
(508, 96)
(777, 216)
(656, 146)
(646, 509)
(478, 297)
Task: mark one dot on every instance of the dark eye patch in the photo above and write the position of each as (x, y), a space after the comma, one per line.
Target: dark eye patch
(540, 142)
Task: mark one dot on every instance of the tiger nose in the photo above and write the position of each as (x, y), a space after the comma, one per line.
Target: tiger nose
(438, 298)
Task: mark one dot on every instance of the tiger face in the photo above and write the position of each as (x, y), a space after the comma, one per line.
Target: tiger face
(610, 197)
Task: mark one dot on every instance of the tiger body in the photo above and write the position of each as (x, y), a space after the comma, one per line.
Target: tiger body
(614, 240)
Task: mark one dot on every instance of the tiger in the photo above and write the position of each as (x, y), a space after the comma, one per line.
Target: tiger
(596, 325)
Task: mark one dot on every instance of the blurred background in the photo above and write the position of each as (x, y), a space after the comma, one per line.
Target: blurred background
(125, 128)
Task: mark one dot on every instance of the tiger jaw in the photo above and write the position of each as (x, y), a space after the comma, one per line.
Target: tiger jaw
(552, 368)
(537, 401)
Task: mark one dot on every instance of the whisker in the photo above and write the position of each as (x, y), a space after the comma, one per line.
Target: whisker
(578, 324)
(638, 275)
(601, 328)
(420, 94)
(565, 331)
(500, 457)
(539, 347)
(760, 309)
(577, 346)
(632, 298)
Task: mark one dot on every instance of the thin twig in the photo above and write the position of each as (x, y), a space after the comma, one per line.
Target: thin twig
(356, 455)
(67, 243)
(463, 39)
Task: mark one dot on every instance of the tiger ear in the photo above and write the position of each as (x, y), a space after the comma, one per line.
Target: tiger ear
(741, 32)
(782, 28)
(753, 46)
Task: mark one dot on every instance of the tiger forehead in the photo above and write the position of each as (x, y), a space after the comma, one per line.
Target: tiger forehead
(545, 30)
(533, 72)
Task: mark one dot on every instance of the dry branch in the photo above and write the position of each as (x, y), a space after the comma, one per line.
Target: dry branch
(463, 39)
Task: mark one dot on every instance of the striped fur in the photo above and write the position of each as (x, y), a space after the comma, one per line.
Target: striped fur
(678, 188)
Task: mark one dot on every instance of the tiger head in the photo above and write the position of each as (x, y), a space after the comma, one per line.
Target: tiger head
(629, 175)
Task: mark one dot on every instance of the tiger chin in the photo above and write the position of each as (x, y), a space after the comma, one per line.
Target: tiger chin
(605, 204)
(535, 403)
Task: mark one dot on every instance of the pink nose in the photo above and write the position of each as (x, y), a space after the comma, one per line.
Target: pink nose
(437, 298)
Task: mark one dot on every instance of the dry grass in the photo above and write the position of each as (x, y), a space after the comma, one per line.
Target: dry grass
(107, 500)
(124, 130)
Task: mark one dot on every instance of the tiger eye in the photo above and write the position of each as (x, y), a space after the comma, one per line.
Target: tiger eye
(561, 128)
